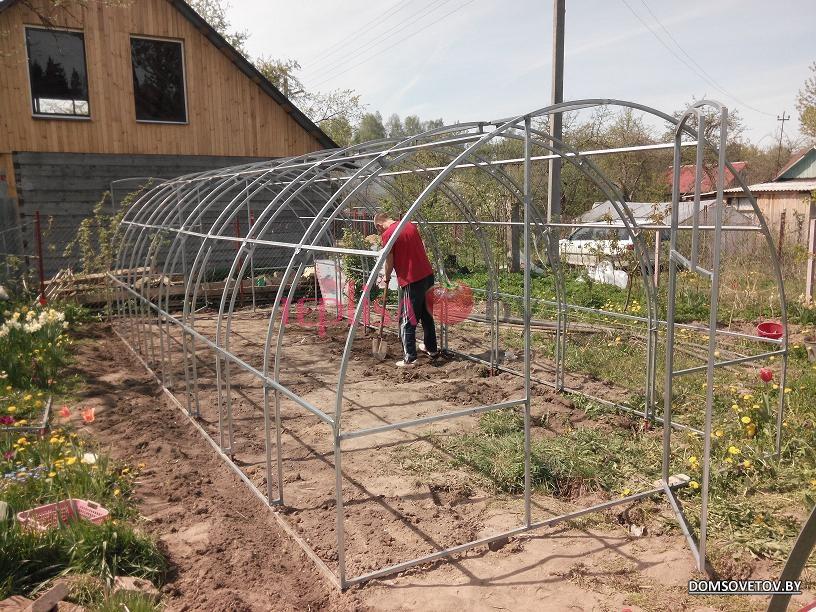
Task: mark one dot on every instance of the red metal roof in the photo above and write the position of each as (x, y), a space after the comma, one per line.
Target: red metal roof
(708, 181)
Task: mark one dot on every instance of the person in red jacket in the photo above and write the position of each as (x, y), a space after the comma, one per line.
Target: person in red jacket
(415, 277)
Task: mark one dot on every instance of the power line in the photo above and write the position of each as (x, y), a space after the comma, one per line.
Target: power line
(381, 17)
(693, 61)
(439, 20)
(701, 72)
(366, 46)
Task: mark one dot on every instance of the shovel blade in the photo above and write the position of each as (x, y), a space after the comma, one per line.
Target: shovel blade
(379, 348)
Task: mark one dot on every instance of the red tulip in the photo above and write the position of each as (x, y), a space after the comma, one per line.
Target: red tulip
(88, 415)
(766, 374)
(65, 412)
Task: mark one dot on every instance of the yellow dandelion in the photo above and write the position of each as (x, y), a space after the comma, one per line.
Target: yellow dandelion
(52, 474)
(116, 492)
(11, 409)
(746, 419)
(746, 463)
(694, 484)
(719, 433)
(70, 460)
(788, 389)
(733, 450)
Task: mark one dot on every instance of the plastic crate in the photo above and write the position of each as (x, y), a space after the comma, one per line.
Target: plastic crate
(46, 517)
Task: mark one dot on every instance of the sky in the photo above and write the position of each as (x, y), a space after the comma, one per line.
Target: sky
(464, 60)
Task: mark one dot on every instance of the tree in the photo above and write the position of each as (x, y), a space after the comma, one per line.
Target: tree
(806, 104)
(393, 127)
(412, 125)
(214, 12)
(282, 74)
(371, 128)
(334, 111)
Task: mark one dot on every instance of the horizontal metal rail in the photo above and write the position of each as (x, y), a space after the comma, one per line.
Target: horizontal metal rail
(572, 391)
(269, 382)
(290, 531)
(399, 567)
(293, 245)
(455, 414)
(717, 364)
(624, 316)
(650, 226)
(434, 144)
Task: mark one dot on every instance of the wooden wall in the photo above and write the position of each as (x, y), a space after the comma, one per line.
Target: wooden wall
(228, 114)
(795, 204)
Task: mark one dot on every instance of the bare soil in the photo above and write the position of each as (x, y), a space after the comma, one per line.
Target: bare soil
(228, 552)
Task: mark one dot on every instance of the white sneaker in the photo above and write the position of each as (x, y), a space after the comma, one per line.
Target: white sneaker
(405, 364)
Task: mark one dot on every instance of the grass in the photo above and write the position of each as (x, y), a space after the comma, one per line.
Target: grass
(746, 295)
(757, 501)
(37, 470)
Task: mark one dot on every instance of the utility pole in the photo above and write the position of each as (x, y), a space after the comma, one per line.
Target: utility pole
(554, 180)
(785, 117)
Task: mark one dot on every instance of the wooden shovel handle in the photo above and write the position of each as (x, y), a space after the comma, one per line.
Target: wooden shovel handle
(385, 303)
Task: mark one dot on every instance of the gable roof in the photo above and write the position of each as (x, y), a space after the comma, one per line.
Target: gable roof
(244, 65)
(795, 160)
(708, 182)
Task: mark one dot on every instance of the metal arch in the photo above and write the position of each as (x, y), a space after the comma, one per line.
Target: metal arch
(358, 166)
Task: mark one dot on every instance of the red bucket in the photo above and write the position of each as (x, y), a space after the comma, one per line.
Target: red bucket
(770, 329)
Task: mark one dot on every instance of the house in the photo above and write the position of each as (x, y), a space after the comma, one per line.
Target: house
(651, 213)
(92, 92)
(708, 182)
(659, 213)
(788, 202)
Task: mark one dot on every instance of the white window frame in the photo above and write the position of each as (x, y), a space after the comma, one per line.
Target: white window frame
(180, 41)
(89, 116)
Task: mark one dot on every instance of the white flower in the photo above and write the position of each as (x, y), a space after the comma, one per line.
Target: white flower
(89, 458)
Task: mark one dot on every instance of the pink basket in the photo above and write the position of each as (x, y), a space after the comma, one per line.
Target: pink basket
(45, 517)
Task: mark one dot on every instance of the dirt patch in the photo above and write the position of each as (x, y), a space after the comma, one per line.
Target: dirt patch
(228, 553)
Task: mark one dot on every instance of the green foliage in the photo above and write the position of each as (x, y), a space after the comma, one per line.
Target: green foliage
(806, 104)
(371, 128)
(214, 12)
(42, 470)
(113, 548)
(99, 235)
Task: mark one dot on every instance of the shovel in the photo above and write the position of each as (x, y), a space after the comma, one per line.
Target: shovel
(378, 346)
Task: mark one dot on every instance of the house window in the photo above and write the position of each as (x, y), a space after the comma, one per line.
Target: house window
(158, 80)
(56, 69)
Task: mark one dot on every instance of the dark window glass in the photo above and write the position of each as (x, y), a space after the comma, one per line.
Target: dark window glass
(56, 68)
(158, 80)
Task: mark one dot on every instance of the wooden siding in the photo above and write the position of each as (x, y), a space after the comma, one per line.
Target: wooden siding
(795, 204)
(228, 113)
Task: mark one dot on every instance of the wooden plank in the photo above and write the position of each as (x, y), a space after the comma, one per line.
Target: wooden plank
(48, 600)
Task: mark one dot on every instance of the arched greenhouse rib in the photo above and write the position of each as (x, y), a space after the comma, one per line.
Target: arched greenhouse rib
(216, 270)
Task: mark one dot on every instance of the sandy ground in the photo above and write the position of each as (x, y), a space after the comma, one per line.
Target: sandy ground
(229, 553)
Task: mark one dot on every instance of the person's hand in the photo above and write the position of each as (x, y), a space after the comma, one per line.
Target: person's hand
(381, 282)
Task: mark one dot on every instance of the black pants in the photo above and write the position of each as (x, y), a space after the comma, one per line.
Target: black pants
(414, 311)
